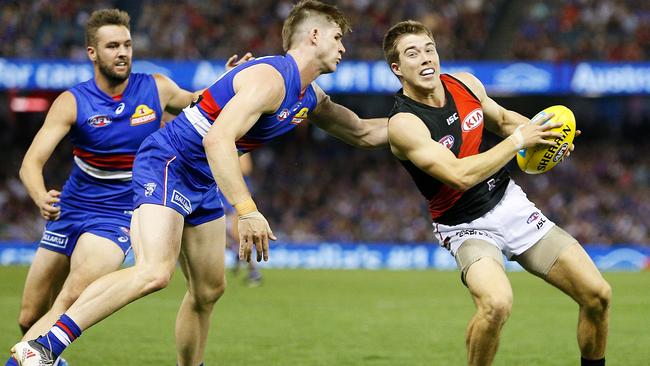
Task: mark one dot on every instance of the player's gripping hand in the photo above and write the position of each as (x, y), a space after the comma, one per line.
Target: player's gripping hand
(235, 61)
(46, 202)
(572, 147)
(537, 132)
(254, 231)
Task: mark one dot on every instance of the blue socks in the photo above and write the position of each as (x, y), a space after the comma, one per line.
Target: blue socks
(12, 362)
(64, 332)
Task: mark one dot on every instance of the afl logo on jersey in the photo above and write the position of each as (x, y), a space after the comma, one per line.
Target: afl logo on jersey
(447, 141)
(143, 114)
(473, 120)
(283, 115)
(100, 121)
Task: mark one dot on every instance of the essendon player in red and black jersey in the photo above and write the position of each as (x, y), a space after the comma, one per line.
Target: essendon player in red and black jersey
(457, 126)
(479, 214)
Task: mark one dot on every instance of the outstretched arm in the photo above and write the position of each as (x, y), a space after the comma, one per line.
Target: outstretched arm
(410, 139)
(59, 120)
(346, 125)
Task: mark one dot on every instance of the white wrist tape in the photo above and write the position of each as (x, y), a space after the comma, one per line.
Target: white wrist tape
(518, 138)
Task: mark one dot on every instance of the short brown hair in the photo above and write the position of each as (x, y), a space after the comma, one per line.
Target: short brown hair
(305, 9)
(398, 31)
(100, 18)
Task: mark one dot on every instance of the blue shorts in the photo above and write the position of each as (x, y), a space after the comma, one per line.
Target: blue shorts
(61, 235)
(161, 177)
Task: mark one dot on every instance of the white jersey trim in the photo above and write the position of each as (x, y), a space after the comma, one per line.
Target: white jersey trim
(198, 120)
(124, 175)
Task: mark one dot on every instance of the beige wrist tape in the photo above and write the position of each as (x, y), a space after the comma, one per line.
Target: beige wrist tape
(245, 207)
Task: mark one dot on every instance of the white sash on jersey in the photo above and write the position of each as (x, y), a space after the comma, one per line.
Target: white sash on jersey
(124, 175)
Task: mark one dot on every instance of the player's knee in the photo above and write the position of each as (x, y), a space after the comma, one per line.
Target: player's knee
(209, 294)
(154, 278)
(496, 309)
(599, 298)
(160, 280)
(27, 318)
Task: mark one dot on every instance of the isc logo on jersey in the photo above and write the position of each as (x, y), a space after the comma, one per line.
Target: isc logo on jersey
(143, 114)
(473, 120)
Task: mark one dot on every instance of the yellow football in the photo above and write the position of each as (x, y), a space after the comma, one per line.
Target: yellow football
(542, 158)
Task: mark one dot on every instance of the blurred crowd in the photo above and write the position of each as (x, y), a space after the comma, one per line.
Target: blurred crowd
(317, 189)
(314, 188)
(464, 30)
(608, 30)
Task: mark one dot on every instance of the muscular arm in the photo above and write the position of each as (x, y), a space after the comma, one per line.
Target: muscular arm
(58, 122)
(252, 98)
(258, 89)
(172, 98)
(343, 123)
(498, 120)
(411, 140)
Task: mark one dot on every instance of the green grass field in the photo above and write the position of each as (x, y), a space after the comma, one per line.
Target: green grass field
(301, 317)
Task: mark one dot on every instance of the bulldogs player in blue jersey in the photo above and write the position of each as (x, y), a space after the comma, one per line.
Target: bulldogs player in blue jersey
(176, 168)
(87, 232)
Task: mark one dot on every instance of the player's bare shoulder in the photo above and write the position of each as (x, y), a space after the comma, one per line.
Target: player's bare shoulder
(403, 130)
(264, 83)
(63, 109)
(166, 86)
(260, 76)
(172, 97)
(472, 82)
(322, 98)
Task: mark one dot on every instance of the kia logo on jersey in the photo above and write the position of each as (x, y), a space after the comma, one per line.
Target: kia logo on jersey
(447, 141)
(473, 120)
(100, 121)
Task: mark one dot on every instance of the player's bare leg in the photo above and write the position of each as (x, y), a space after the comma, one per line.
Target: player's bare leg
(576, 274)
(156, 232)
(202, 261)
(44, 280)
(492, 294)
(93, 257)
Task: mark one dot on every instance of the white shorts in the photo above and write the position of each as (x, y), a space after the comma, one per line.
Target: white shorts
(513, 225)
